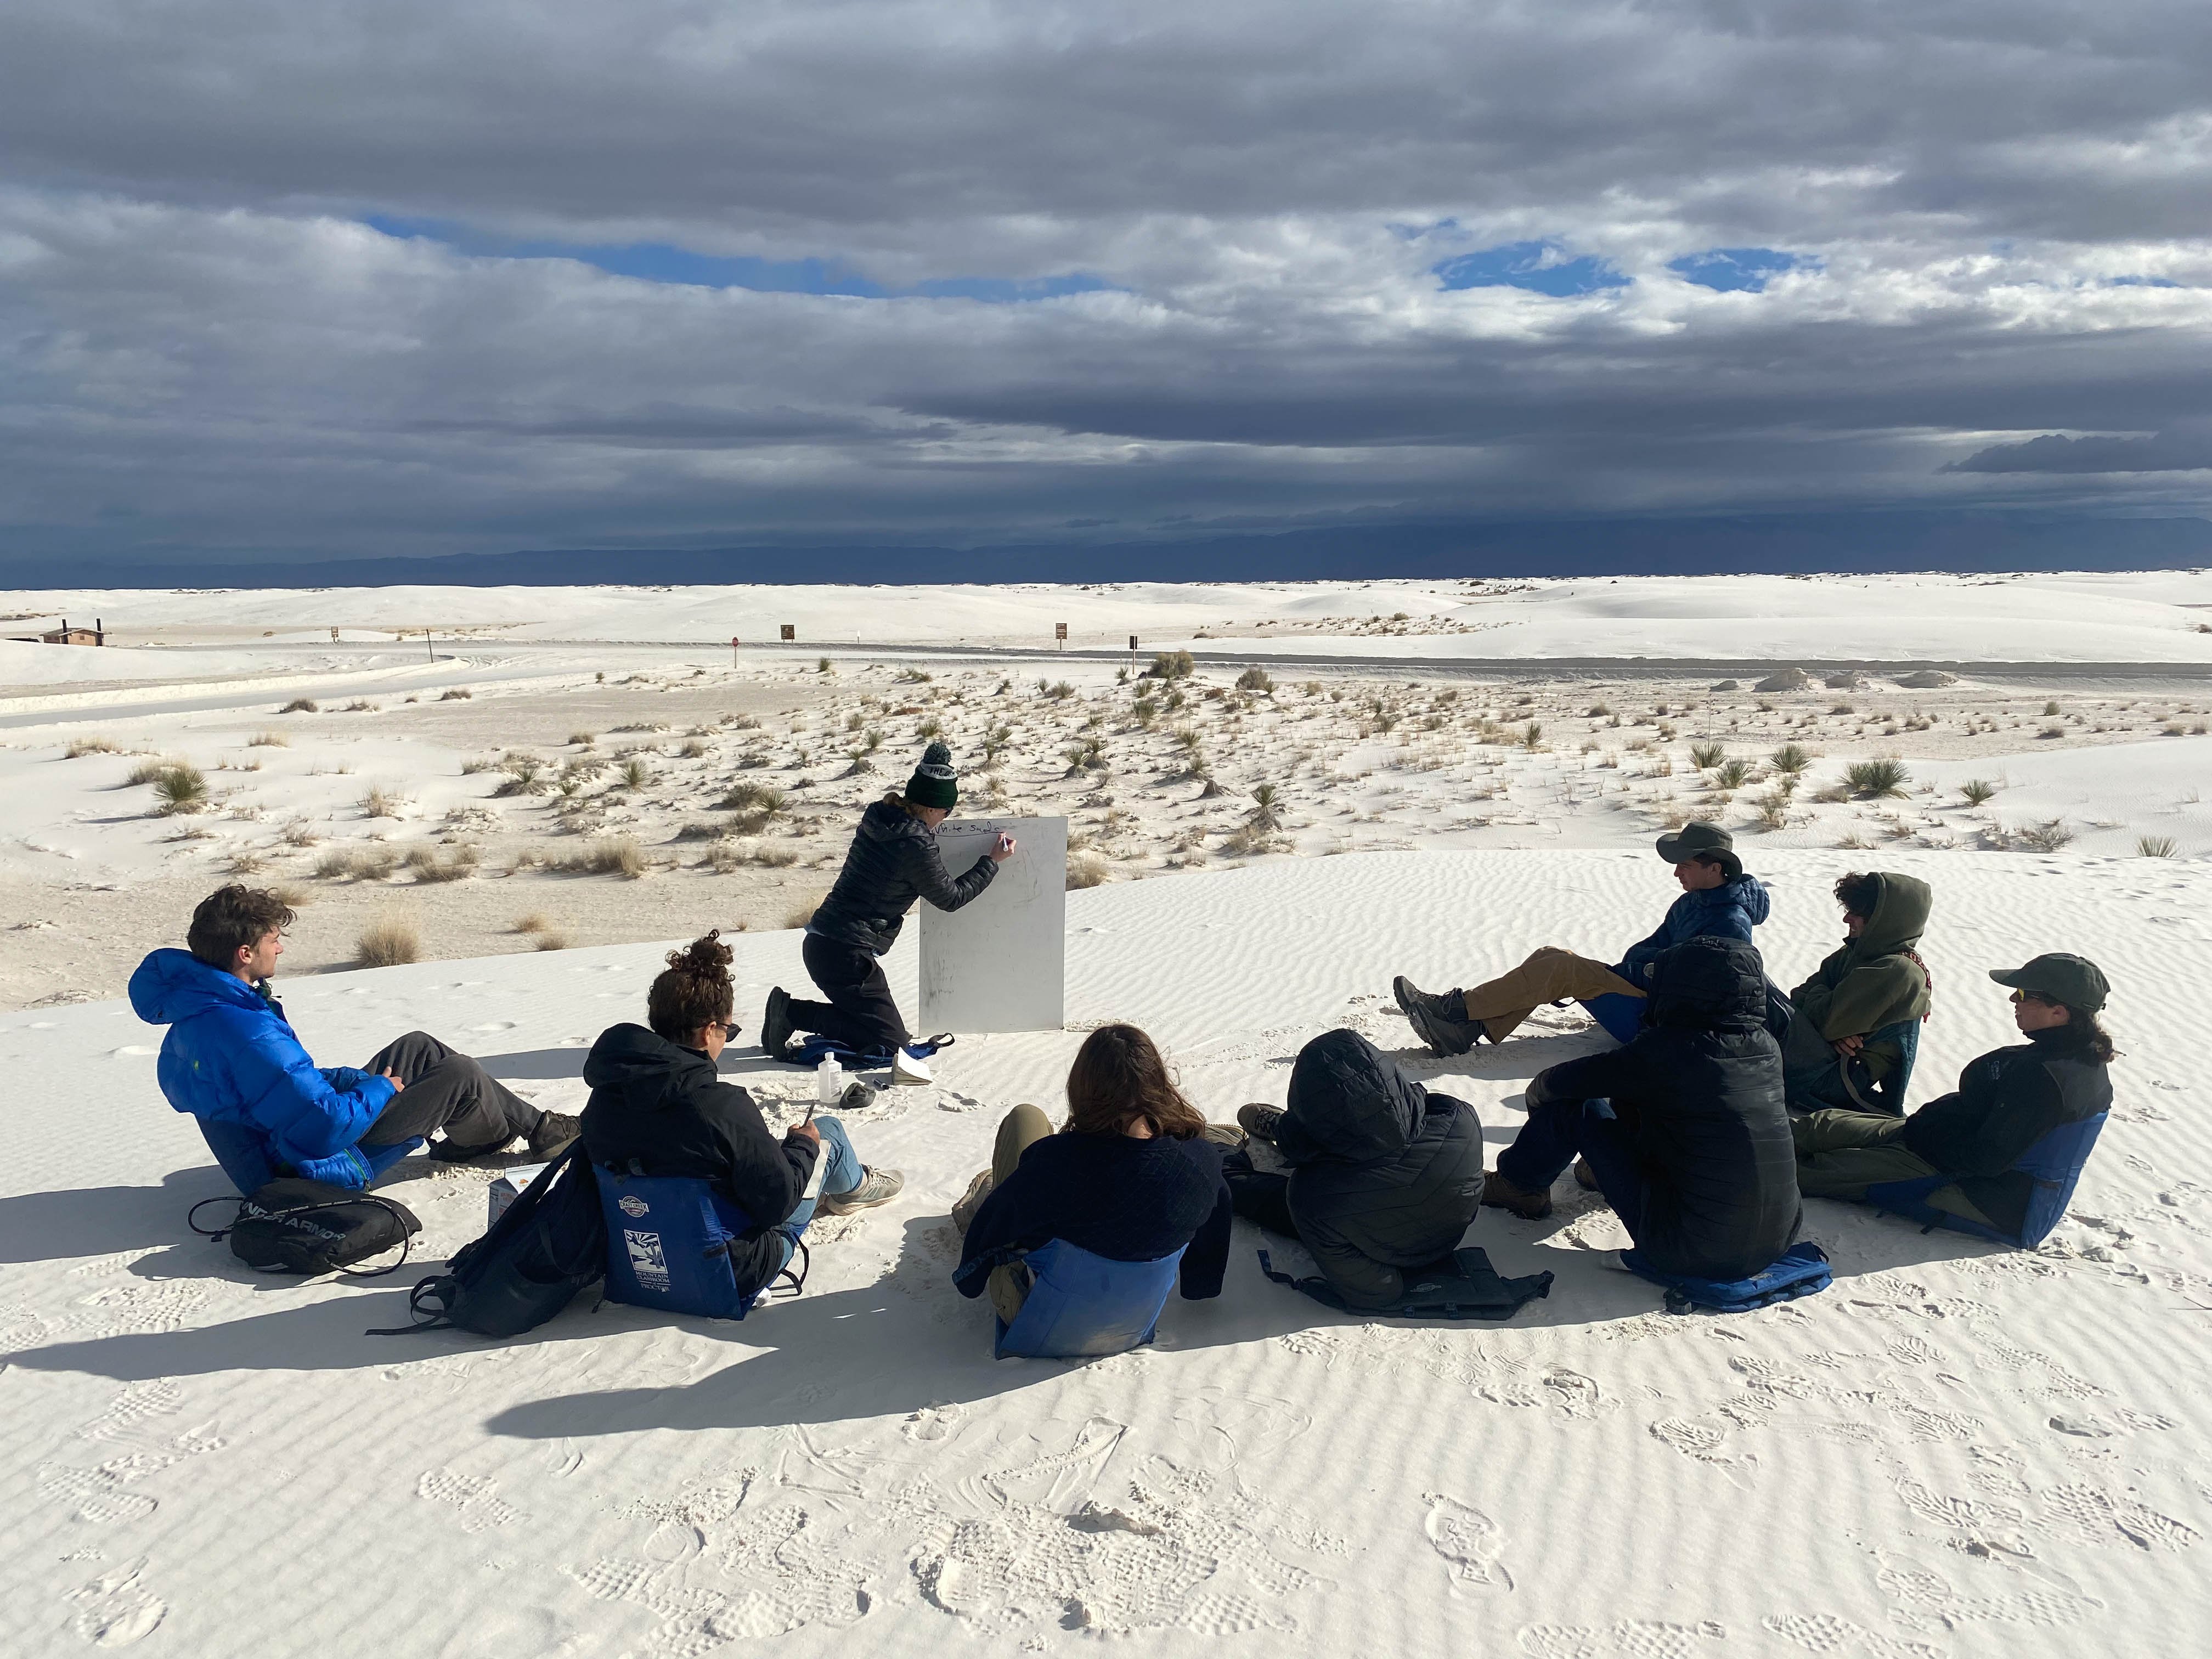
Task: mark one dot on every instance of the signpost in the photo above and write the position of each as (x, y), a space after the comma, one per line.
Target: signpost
(733, 650)
(790, 632)
(1060, 633)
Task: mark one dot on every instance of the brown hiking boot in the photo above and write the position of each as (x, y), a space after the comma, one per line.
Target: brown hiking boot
(1499, 1194)
(1585, 1177)
(1260, 1121)
(553, 1132)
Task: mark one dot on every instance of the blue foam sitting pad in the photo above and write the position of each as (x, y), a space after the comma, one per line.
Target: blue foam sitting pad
(2054, 1163)
(668, 1244)
(1619, 1015)
(1461, 1285)
(1082, 1306)
(246, 1160)
(1802, 1270)
(816, 1049)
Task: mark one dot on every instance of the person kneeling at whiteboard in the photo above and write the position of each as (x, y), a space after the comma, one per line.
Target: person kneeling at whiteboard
(892, 862)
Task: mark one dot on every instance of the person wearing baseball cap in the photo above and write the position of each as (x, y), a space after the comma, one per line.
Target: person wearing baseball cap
(1718, 901)
(2007, 1103)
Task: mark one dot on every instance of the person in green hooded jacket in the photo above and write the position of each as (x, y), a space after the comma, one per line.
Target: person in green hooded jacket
(1853, 1024)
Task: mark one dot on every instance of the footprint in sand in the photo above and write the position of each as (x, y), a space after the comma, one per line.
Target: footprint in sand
(1468, 1541)
(474, 1496)
(114, 1610)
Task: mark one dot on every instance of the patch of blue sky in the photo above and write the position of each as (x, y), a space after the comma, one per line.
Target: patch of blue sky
(659, 262)
(2141, 282)
(1735, 270)
(1539, 267)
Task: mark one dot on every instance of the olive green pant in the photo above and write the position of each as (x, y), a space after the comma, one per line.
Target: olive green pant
(1009, 1283)
(1547, 976)
(1841, 1153)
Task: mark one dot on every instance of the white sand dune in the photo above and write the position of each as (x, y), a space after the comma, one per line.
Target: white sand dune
(1957, 1450)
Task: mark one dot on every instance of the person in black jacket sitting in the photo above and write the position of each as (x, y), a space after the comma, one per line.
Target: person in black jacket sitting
(2006, 1101)
(658, 1107)
(892, 862)
(1683, 1128)
(1133, 1178)
(1385, 1174)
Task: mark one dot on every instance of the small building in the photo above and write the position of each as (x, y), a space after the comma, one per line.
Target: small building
(95, 635)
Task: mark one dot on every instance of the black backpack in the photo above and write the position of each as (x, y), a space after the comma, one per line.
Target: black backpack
(546, 1246)
(294, 1225)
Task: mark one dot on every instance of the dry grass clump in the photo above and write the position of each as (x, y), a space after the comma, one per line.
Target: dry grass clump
(1086, 870)
(1172, 666)
(292, 894)
(2048, 836)
(802, 911)
(390, 941)
(301, 706)
(378, 802)
(268, 740)
(457, 864)
(552, 938)
(610, 855)
(356, 864)
(532, 921)
(361, 705)
(92, 745)
(147, 770)
(456, 694)
(583, 739)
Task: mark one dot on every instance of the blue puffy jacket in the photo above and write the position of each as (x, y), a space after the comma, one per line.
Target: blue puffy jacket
(230, 1058)
(1730, 910)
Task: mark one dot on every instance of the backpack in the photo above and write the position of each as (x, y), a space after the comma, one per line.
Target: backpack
(294, 1225)
(545, 1247)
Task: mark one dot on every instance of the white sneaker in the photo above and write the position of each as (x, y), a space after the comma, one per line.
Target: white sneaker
(905, 1068)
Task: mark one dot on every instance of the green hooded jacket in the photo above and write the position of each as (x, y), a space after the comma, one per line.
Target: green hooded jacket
(1871, 982)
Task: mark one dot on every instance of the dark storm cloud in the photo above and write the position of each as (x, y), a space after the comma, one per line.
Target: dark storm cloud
(1722, 256)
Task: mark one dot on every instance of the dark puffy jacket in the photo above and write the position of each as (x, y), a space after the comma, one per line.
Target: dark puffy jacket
(892, 862)
(2007, 1100)
(1384, 1175)
(230, 1057)
(1699, 1091)
(1730, 910)
(661, 1105)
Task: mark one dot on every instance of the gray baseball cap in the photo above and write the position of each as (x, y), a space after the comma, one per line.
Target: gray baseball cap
(2075, 980)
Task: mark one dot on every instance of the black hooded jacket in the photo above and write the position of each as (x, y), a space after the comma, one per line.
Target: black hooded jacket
(1699, 1091)
(1385, 1175)
(661, 1105)
(892, 862)
(2007, 1100)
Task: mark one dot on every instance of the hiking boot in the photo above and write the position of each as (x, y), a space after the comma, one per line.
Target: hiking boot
(905, 1068)
(963, 1212)
(1499, 1194)
(553, 1132)
(447, 1150)
(1260, 1121)
(876, 1187)
(1224, 1134)
(776, 1022)
(1585, 1177)
(1440, 1021)
(859, 1095)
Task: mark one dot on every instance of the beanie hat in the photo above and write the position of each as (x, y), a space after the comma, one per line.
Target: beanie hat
(935, 783)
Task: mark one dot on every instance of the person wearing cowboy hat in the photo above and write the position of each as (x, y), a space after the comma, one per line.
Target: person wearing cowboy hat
(1718, 901)
(2007, 1100)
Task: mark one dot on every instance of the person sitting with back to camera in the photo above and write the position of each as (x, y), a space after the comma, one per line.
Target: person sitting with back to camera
(1718, 901)
(1969, 1157)
(893, 861)
(231, 1059)
(659, 1108)
(1134, 1177)
(1855, 1025)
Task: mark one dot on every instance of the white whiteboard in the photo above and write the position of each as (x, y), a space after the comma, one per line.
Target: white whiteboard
(1000, 963)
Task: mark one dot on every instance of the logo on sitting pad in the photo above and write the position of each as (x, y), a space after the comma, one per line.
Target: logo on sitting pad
(632, 1205)
(647, 1260)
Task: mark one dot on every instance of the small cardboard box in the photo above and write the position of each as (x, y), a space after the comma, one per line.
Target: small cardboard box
(508, 1188)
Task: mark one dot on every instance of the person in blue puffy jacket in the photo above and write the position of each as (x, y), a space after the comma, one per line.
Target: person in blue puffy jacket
(1718, 901)
(230, 1060)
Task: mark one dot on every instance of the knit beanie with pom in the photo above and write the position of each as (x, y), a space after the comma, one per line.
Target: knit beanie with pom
(935, 783)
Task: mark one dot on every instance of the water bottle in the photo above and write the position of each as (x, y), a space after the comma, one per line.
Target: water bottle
(828, 1080)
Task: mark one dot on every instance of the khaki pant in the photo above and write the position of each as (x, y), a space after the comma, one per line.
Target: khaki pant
(1840, 1154)
(1020, 1129)
(1548, 975)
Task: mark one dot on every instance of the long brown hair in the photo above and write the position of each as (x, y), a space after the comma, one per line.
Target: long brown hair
(1118, 1078)
(693, 990)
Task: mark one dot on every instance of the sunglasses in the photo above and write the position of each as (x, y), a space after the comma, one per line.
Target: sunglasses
(2035, 996)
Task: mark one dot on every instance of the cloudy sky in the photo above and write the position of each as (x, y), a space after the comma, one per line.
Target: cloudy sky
(295, 278)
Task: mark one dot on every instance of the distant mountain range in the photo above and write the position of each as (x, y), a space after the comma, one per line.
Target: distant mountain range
(1795, 543)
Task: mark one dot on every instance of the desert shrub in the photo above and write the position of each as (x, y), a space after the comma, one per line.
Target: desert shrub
(300, 832)
(456, 694)
(610, 855)
(245, 862)
(802, 911)
(1532, 736)
(1058, 691)
(360, 706)
(693, 749)
(147, 770)
(180, 789)
(93, 745)
(1731, 774)
(551, 939)
(378, 802)
(1172, 666)
(390, 941)
(822, 664)
(1705, 755)
(1977, 790)
(1885, 775)
(455, 865)
(635, 774)
(301, 706)
(1598, 711)
(1255, 679)
(2050, 710)
(524, 776)
(745, 795)
(1086, 870)
(268, 740)
(2048, 836)
(583, 739)
(1774, 808)
(2155, 846)
(356, 863)
(532, 922)
(1790, 760)
(911, 677)
(1267, 813)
